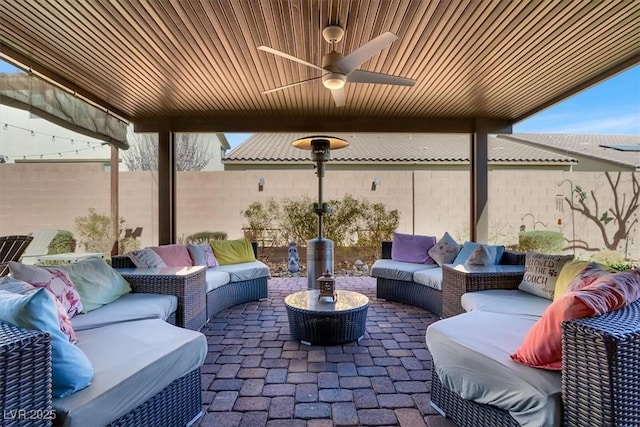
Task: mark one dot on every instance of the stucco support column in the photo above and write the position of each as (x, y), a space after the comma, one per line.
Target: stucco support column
(479, 183)
(166, 188)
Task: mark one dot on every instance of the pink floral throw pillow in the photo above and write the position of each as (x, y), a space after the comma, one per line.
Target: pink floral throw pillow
(54, 279)
(16, 286)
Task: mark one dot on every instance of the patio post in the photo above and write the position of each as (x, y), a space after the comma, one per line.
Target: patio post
(479, 224)
(115, 214)
(479, 188)
(166, 187)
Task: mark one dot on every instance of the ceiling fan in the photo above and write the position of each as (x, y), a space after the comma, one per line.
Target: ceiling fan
(338, 69)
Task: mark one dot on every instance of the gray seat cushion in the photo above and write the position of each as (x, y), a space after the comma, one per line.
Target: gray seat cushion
(471, 355)
(508, 301)
(397, 270)
(132, 361)
(216, 278)
(133, 306)
(431, 278)
(245, 271)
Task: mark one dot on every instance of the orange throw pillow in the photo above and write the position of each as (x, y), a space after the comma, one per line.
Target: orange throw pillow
(542, 347)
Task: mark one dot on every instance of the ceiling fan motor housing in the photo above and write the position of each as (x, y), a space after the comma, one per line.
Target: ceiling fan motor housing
(334, 79)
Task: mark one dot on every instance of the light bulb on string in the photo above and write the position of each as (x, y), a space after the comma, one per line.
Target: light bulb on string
(33, 133)
(5, 127)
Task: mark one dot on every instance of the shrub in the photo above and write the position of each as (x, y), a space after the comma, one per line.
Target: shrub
(128, 244)
(63, 242)
(354, 223)
(614, 260)
(545, 241)
(206, 236)
(96, 236)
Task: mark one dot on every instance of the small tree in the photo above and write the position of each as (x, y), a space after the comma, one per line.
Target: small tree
(620, 215)
(96, 236)
(192, 152)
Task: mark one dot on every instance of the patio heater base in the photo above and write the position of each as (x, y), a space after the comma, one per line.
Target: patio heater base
(319, 260)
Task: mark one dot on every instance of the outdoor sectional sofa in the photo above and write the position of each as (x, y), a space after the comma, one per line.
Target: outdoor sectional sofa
(146, 371)
(224, 285)
(597, 384)
(422, 285)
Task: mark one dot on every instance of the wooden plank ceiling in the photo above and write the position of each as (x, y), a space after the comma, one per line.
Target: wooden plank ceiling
(194, 64)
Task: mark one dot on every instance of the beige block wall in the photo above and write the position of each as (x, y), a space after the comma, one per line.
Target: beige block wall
(52, 195)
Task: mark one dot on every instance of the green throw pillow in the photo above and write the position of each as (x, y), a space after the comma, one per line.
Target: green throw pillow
(97, 283)
(232, 251)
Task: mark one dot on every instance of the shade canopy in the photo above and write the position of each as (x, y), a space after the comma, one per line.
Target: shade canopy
(194, 65)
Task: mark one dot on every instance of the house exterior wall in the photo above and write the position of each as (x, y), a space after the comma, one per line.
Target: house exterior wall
(41, 195)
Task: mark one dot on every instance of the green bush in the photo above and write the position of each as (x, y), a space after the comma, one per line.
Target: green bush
(545, 241)
(206, 236)
(355, 223)
(95, 233)
(63, 242)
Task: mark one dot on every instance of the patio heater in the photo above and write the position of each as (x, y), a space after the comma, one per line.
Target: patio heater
(319, 250)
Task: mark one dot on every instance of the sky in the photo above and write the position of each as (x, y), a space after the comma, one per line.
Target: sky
(611, 107)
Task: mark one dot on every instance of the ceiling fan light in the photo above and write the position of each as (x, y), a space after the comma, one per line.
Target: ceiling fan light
(334, 80)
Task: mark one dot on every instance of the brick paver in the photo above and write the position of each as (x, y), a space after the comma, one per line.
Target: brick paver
(256, 375)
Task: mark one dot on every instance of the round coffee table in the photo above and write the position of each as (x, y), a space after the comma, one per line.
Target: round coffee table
(314, 320)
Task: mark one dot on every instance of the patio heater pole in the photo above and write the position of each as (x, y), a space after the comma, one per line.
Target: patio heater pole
(319, 250)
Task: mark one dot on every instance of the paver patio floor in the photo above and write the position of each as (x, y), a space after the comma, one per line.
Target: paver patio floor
(256, 375)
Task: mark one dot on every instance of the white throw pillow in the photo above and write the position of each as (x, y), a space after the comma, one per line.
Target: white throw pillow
(445, 251)
(146, 258)
(482, 255)
(541, 273)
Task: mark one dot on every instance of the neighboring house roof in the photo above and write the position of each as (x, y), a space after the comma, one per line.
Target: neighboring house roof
(584, 145)
(388, 147)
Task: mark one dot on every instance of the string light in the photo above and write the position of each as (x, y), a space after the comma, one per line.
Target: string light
(91, 145)
(53, 137)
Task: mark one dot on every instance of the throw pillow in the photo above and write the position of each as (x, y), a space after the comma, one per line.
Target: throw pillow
(146, 258)
(233, 251)
(71, 370)
(412, 248)
(16, 286)
(97, 283)
(54, 279)
(567, 273)
(585, 277)
(482, 255)
(541, 273)
(174, 255)
(469, 247)
(445, 250)
(542, 346)
(202, 254)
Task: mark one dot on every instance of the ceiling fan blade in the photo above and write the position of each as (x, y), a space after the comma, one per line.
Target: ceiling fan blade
(360, 76)
(291, 85)
(339, 97)
(290, 58)
(364, 52)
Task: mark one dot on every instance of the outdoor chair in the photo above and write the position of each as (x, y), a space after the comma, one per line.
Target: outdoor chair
(11, 248)
(39, 246)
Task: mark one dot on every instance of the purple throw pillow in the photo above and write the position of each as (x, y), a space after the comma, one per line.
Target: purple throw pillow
(412, 248)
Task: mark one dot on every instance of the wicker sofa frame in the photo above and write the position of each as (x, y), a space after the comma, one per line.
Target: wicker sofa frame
(25, 387)
(600, 365)
(443, 302)
(221, 298)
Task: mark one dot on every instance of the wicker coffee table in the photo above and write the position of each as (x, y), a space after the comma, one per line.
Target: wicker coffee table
(317, 321)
